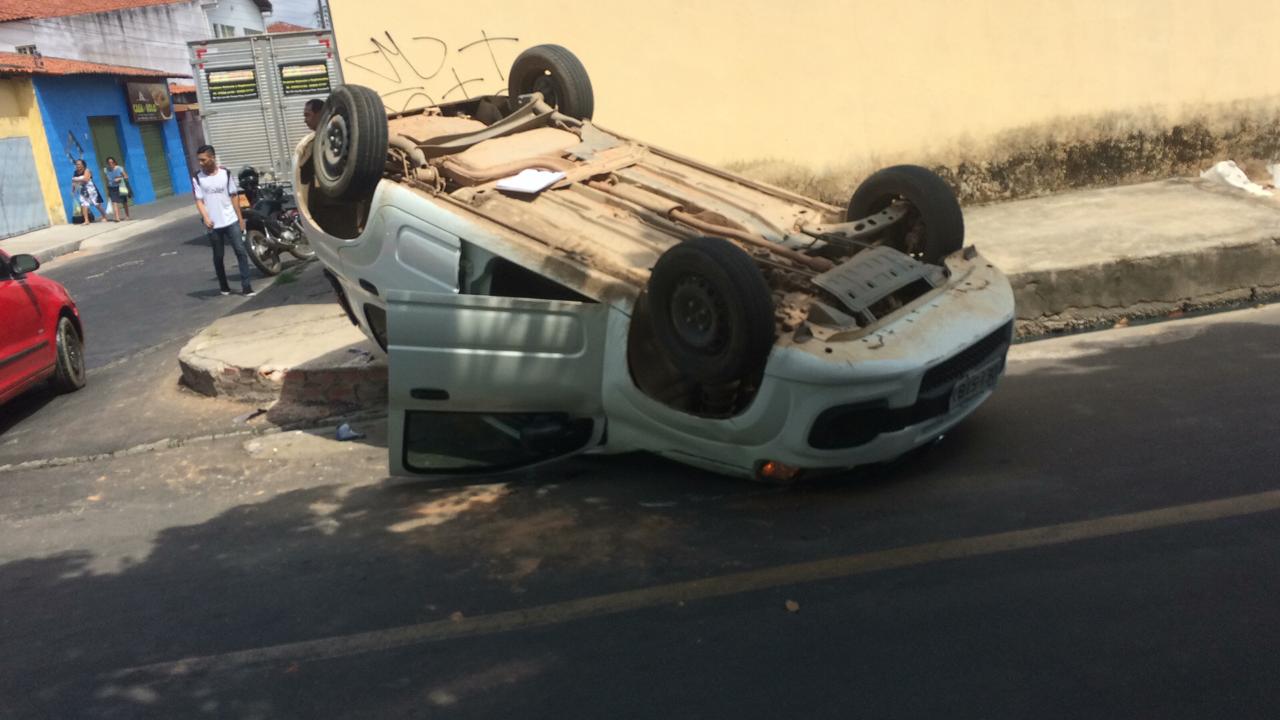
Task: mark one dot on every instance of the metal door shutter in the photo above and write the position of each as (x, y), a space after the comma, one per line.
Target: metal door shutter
(157, 162)
(106, 143)
(21, 201)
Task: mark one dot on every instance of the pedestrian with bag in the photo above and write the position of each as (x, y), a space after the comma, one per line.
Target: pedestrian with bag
(86, 192)
(216, 194)
(117, 188)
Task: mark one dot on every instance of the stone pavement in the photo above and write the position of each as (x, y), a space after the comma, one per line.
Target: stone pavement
(1075, 260)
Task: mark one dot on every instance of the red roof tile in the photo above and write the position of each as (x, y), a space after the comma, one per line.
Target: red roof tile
(19, 64)
(30, 9)
(279, 27)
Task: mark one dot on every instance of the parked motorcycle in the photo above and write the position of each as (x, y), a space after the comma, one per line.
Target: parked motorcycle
(273, 225)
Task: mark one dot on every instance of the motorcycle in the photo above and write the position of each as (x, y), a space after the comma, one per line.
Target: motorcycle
(273, 225)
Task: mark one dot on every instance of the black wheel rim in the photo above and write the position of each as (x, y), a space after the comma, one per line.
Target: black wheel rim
(698, 315)
(72, 352)
(546, 84)
(336, 141)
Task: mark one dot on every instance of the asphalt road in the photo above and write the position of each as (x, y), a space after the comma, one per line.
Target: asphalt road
(1099, 540)
(156, 287)
(140, 301)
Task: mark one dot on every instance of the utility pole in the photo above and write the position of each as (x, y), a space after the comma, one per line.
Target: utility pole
(322, 15)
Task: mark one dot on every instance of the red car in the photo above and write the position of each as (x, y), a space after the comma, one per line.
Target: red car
(40, 333)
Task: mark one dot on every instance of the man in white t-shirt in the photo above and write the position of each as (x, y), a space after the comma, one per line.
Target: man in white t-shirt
(215, 190)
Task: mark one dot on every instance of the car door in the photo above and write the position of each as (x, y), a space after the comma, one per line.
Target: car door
(481, 384)
(398, 250)
(21, 334)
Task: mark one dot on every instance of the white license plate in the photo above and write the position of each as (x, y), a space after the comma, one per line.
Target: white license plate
(976, 382)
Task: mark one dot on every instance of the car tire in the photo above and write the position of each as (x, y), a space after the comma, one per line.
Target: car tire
(711, 311)
(69, 373)
(351, 144)
(934, 226)
(266, 259)
(558, 75)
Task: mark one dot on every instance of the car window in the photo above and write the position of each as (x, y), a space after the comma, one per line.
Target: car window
(460, 443)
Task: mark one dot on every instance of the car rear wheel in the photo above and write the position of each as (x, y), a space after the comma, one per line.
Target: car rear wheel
(263, 255)
(69, 375)
(711, 311)
(934, 225)
(557, 74)
(350, 150)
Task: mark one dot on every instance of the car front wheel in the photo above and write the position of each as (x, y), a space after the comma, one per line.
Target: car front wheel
(70, 374)
(711, 311)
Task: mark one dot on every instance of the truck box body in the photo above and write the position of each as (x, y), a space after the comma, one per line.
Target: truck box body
(252, 90)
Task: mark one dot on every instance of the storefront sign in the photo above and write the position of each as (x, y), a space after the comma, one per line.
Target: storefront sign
(235, 84)
(305, 79)
(149, 102)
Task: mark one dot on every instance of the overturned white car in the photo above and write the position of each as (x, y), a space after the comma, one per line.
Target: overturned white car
(554, 287)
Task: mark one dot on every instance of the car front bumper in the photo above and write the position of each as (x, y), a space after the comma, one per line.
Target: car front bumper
(848, 401)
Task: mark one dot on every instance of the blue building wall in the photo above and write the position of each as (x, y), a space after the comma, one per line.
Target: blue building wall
(67, 103)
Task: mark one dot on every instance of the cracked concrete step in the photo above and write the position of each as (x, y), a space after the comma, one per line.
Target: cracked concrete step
(292, 345)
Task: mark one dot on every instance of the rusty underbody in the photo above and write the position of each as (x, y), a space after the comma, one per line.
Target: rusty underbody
(619, 204)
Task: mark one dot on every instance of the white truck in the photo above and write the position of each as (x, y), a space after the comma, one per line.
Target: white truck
(252, 90)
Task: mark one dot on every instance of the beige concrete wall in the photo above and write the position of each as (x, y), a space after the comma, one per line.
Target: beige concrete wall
(1010, 97)
(20, 117)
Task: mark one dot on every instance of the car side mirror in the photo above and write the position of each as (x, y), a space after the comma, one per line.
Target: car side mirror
(23, 264)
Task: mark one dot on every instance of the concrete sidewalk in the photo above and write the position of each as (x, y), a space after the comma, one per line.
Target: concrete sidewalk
(1075, 260)
(1087, 259)
(58, 240)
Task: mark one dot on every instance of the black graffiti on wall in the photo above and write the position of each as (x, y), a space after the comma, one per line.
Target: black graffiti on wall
(423, 70)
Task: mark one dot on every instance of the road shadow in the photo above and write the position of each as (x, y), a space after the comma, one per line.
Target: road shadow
(208, 293)
(24, 406)
(350, 557)
(301, 282)
(321, 561)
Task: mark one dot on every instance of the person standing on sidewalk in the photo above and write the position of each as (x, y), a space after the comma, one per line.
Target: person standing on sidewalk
(215, 190)
(117, 189)
(86, 192)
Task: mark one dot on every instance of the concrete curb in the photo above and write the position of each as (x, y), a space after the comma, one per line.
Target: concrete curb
(1086, 259)
(1097, 295)
(338, 389)
(66, 248)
